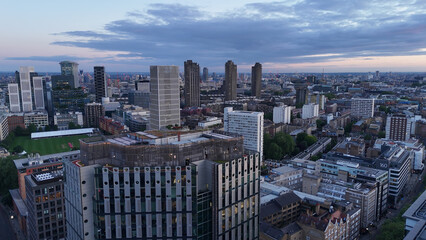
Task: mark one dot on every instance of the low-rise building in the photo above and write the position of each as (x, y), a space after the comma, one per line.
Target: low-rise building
(282, 210)
(287, 176)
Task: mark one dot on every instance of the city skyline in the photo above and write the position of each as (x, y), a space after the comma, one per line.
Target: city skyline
(285, 36)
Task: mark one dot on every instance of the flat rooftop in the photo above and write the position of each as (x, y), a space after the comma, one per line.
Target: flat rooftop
(35, 160)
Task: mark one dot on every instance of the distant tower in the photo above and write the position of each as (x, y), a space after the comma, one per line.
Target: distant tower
(14, 98)
(69, 68)
(301, 91)
(100, 83)
(230, 84)
(192, 84)
(164, 97)
(205, 74)
(256, 79)
(92, 113)
(25, 84)
(377, 74)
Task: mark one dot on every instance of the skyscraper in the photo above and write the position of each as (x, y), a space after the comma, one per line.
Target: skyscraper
(192, 84)
(14, 98)
(25, 84)
(164, 97)
(398, 127)
(256, 79)
(301, 91)
(38, 92)
(248, 124)
(69, 68)
(163, 185)
(205, 74)
(100, 82)
(92, 113)
(230, 84)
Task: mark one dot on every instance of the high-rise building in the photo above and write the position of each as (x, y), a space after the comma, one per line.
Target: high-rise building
(310, 111)
(282, 114)
(142, 86)
(69, 68)
(92, 113)
(14, 98)
(4, 127)
(301, 91)
(230, 84)
(192, 84)
(398, 127)
(163, 185)
(100, 83)
(205, 74)
(248, 124)
(38, 92)
(256, 80)
(164, 97)
(25, 85)
(362, 107)
(45, 204)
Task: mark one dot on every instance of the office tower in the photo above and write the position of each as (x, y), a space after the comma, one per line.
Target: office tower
(192, 84)
(48, 100)
(92, 113)
(163, 185)
(310, 111)
(39, 196)
(398, 127)
(230, 84)
(139, 98)
(377, 75)
(248, 124)
(316, 98)
(25, 85)
(256, 80)
(4, 127)
(100, 83)
(301, 91)
(282, 114)
(14, 97)
(164, 103)
(362, 107)
(205, 74)
(45, 204)
(69, 68)
(312, 79)
(142, 86)
(38, 92)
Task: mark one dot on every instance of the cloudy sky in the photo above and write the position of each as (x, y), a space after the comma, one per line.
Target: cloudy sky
(285, 36)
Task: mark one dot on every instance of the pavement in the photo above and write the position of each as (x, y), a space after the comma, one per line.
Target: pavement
(413, 188)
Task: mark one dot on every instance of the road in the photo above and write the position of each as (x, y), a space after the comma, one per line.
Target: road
(6, 230)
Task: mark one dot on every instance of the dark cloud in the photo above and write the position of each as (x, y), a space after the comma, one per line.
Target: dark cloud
(46, 58)
(282, 32)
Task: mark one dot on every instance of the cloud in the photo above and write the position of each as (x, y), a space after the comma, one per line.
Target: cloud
(47, 58)
(282, 32)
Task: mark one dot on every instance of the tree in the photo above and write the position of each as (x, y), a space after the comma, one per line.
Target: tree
(32, 128)
(18, 149)
(367, 137)
(301, 137)
(269, 116)
(382, 134)
(9, 178)
(275, 152)
(320, 124)
(310, 139)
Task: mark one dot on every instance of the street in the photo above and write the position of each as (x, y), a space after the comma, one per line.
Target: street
(6, 230)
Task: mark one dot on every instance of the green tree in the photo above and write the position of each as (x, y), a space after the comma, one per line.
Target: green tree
(382, 134)
(367, 137)
(310, 140)
(32, 128)
(18, 149)
(275, 152)
(269, 116)
(301, 137)
(320, 124)
(9, 178)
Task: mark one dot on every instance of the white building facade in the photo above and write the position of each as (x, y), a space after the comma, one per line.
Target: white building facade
(310, 111)
(164, 97)
(362, 107)
(248, 124)
(282, 114)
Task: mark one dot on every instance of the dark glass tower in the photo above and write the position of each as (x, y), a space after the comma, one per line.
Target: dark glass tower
(192, 84)
(100, 83)
(230, 84)
(256, 80)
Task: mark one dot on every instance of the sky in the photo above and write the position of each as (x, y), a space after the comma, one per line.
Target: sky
(285, 36)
